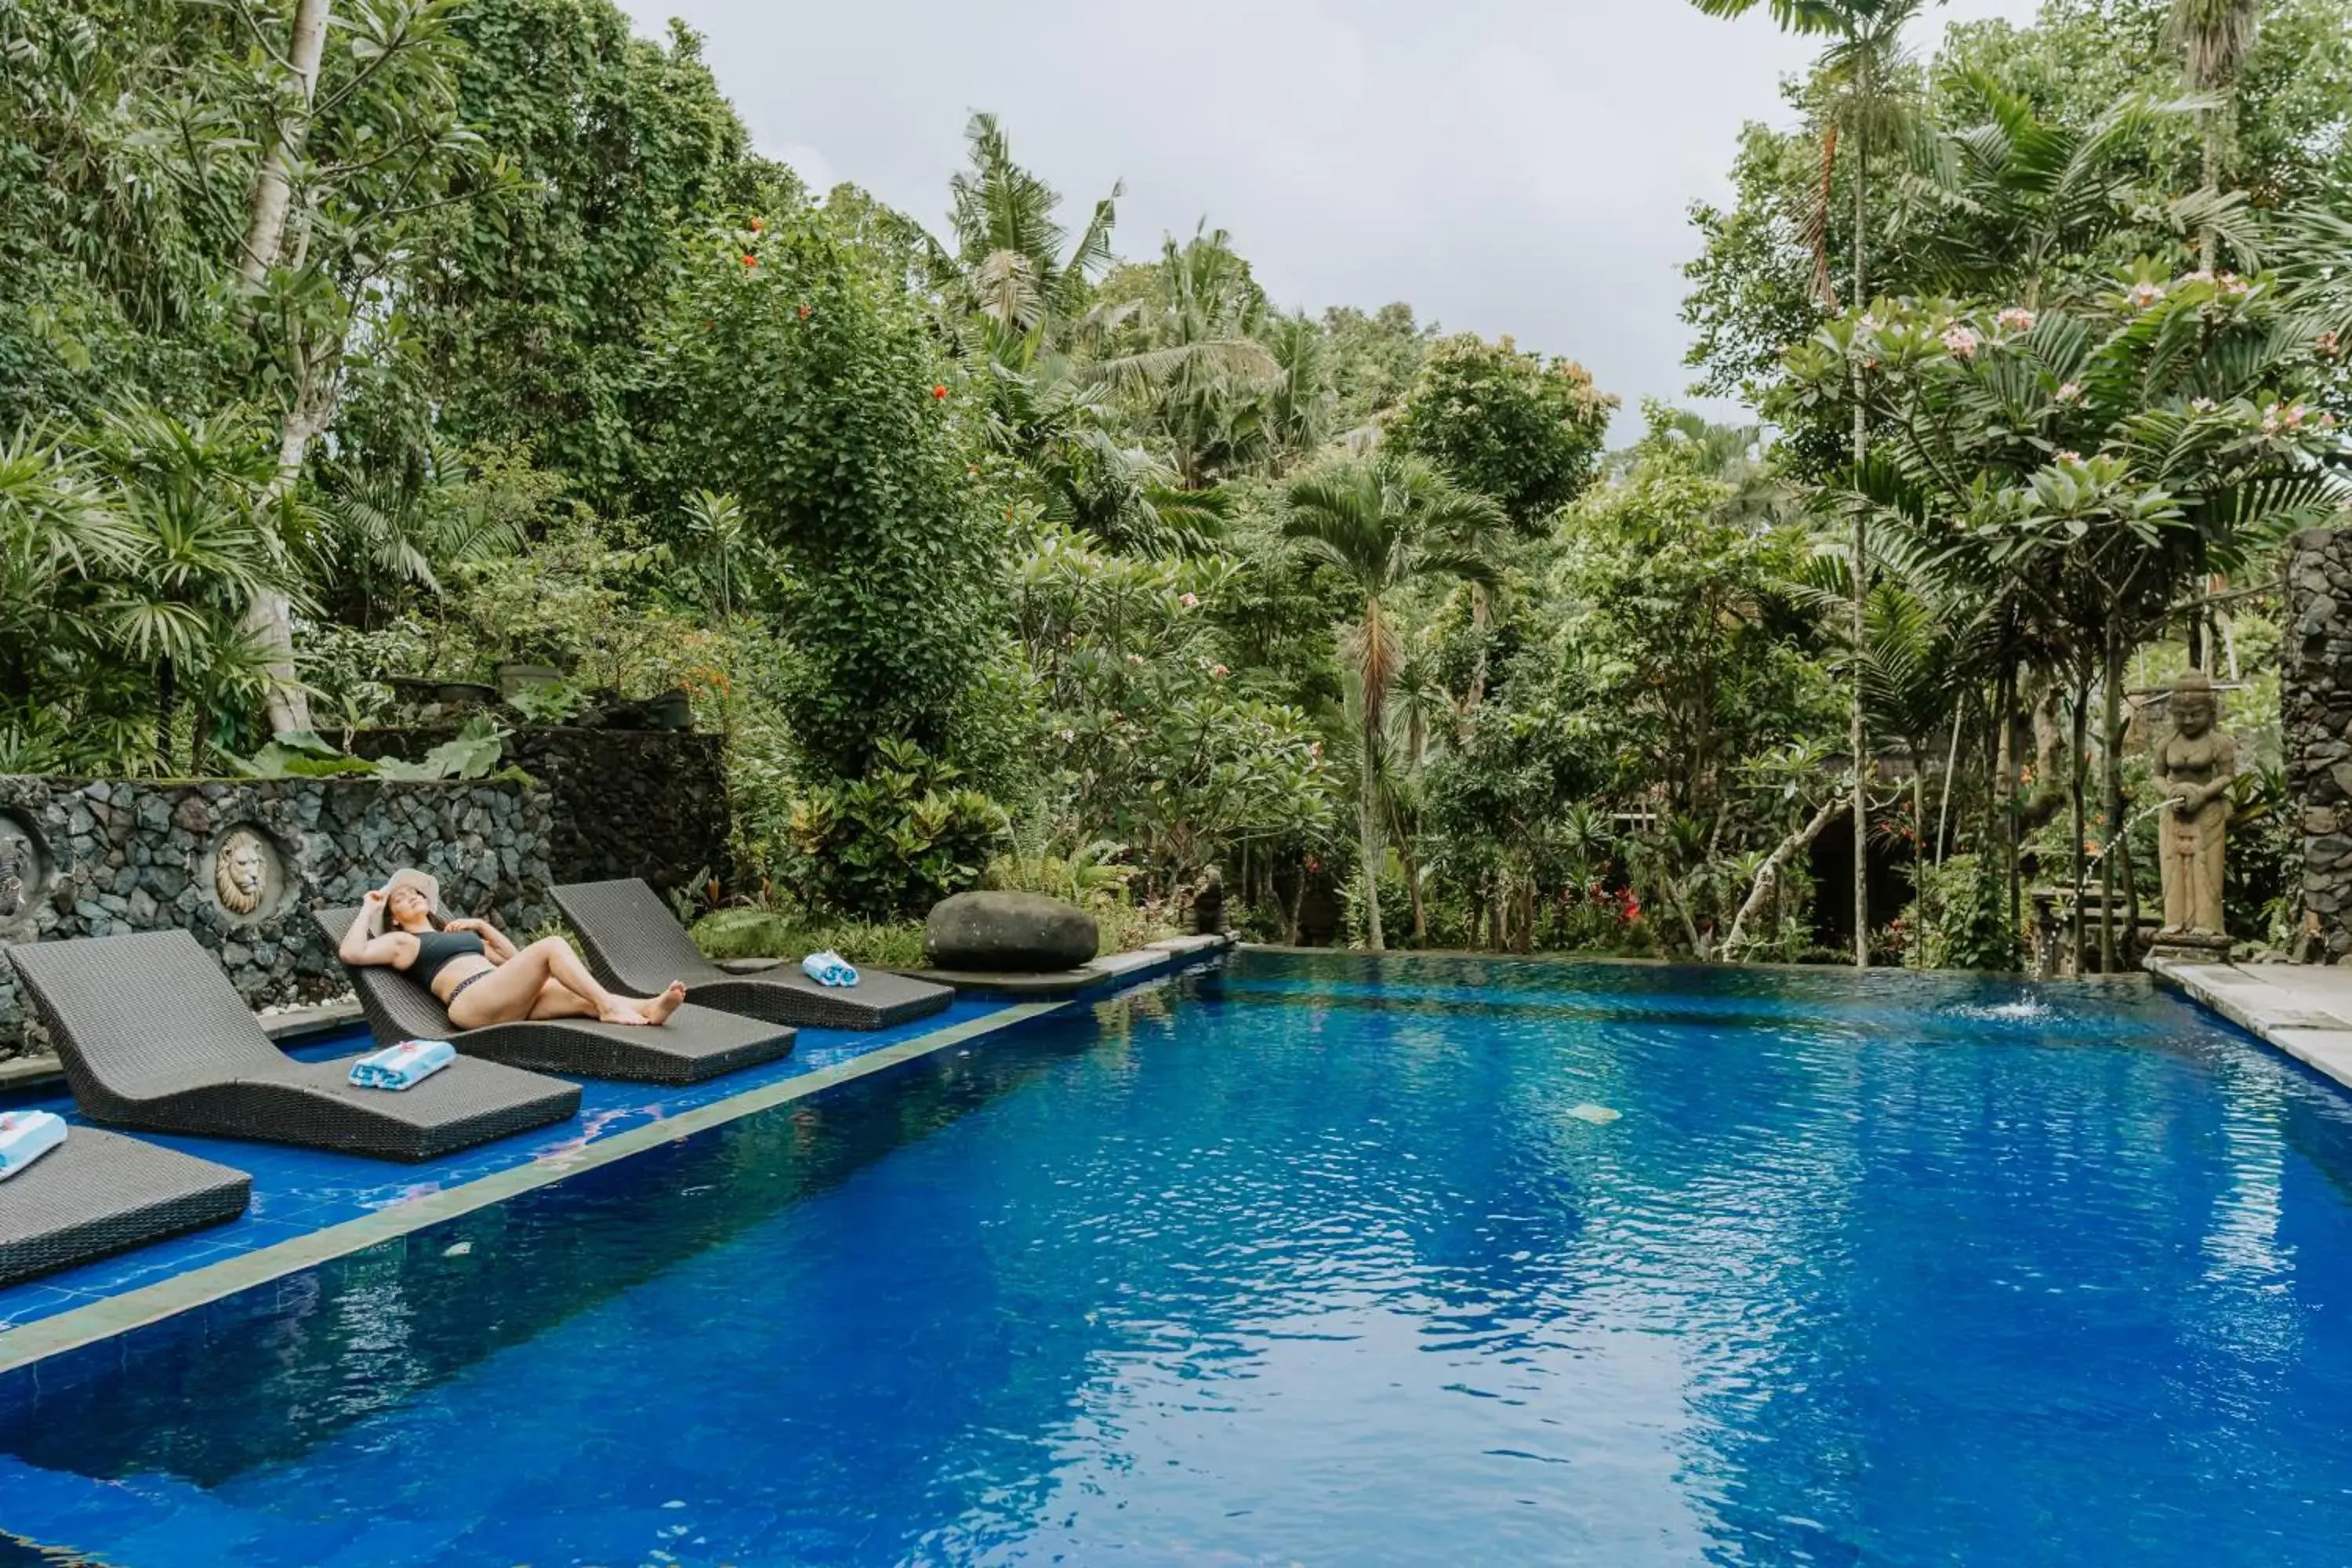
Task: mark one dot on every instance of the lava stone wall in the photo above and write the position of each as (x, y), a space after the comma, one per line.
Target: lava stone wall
(2315, 704)
(94, 858)
(627, 803)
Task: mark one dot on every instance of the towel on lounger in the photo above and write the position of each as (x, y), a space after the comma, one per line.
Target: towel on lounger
(25, 1136)
(828, 968)
(403, 1065)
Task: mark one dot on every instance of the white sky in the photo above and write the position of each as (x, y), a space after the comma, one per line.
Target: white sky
(1504, 165)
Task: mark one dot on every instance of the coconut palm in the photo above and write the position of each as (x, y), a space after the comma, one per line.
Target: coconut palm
(2215, 38)
(1381, 524)
(1862, 67)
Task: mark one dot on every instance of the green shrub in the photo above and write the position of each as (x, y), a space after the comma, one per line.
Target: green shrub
(775, 933)
(893, 843)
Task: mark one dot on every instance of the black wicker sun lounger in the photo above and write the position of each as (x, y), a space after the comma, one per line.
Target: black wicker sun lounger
(99, 1194)
(696, 1044)
(153, 1035)
(634, 943)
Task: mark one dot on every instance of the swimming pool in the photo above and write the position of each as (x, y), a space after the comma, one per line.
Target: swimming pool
(1327, 1261)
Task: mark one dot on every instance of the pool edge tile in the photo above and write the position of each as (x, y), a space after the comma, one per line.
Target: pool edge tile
(142, 1305)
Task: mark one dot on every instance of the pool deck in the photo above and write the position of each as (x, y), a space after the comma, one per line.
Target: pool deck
(310, 1205)
(2304, 1009)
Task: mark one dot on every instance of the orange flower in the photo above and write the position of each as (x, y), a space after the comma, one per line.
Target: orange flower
(805, 312)
(750, 260)
(757, 226)
(939, 393)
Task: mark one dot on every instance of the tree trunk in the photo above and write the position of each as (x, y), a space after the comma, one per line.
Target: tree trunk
(1768, 876)
(1861, 568)
(2007, 764)
(2077, 764)
(270, 621)
(1481, 613)
(166, 702)
(273, 190)
(2113, 790)
(1918, 943)
(1367, 832)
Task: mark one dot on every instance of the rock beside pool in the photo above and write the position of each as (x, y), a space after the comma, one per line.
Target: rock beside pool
(1008, 933)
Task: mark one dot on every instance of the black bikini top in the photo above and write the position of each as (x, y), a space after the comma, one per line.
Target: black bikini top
(434, 949)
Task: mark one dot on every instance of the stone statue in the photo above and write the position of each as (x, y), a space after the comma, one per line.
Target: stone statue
(1209, 903)
(18, 870)
(240, 872)
(2194, 765)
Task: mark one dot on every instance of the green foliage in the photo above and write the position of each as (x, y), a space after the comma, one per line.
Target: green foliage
(792, 935)
(894, 842)
(807, 386)
(1506, 424)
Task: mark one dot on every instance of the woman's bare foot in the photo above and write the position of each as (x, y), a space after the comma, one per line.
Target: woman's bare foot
(654, 1010)
(659, 1009)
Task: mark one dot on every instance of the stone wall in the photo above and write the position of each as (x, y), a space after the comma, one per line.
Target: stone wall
(2315, 719)
(627, 803)
(240, 865)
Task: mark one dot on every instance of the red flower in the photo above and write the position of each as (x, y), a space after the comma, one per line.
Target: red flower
(940, 394)
(750, 260)
(805, 312)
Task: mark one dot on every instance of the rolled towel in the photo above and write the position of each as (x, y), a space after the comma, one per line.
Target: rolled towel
(403, 1065)
(828, 968)
(25, 1136)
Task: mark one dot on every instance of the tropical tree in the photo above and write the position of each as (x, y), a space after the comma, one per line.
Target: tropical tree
(1861, 69)
(2215, 36)
(1378, 525)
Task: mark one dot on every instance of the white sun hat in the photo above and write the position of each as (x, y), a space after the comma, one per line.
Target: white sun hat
(380, 918)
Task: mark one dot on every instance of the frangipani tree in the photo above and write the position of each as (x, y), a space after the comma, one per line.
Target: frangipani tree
(2092, 461)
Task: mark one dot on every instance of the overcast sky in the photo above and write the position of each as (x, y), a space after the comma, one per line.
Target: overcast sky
(1519, 166)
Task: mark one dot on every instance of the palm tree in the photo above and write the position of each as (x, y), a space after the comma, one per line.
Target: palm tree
(1006, 269)
(193, 496)
(2008, 202)
(1861, 66)
(1381, 524)
(2215, 38)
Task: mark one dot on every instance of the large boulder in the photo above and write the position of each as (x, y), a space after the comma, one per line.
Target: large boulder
(1005, 933)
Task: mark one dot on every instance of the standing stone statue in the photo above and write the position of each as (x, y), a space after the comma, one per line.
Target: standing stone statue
(1209, 903)
(2194, 765)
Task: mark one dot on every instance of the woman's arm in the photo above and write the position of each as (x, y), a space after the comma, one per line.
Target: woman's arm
(494, 940)
(385, 952)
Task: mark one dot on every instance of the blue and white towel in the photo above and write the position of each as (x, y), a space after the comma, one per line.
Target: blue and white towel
(25, 1136)
(828, 968)
(403, 1065)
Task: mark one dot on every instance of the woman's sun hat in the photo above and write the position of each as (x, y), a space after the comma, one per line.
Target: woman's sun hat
(380, 919)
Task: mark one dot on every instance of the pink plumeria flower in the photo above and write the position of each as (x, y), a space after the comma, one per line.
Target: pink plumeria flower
(2070, 393)
(2016, 319)
(2067, 457)
(2325, 342)
(2202, 404)
(1219, 670)
(1961, 341)
(1135, 658)
(1190, 601)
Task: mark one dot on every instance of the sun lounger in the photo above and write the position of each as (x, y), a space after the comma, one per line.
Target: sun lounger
(696, 1044)
(153, 1035)
(99, 1194)
(635, 944)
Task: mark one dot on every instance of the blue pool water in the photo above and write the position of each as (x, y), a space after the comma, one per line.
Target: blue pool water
(1319, 1261)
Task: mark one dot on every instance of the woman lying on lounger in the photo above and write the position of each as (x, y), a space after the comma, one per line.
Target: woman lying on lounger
(480, 976)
